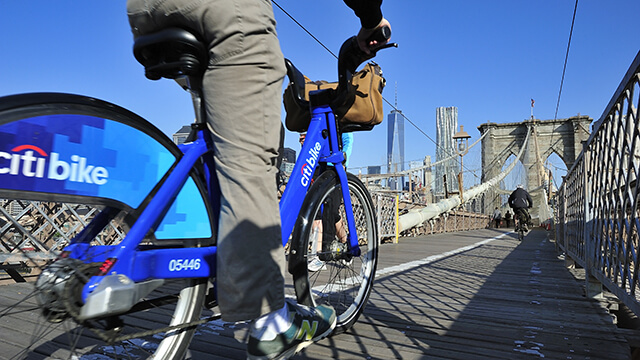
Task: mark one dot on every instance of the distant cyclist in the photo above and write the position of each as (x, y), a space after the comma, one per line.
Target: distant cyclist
(520, 201)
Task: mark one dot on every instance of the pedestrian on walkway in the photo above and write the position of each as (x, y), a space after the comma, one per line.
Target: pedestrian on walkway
(497, 217)
(507, 219)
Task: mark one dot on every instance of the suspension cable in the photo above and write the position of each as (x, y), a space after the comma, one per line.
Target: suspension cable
(305, 29)
(566, 57)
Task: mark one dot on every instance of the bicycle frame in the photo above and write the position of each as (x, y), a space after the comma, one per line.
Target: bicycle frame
(161, 204)
(129, 262)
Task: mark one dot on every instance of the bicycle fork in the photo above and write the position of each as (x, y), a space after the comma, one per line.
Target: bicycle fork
(320, 147)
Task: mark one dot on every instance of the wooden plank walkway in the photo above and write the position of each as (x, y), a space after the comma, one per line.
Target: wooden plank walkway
(468, 295)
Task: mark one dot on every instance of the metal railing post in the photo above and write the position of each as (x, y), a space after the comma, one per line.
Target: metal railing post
(593, 286)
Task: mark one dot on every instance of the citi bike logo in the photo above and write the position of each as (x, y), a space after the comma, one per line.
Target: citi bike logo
(310, 162)
(30, 165)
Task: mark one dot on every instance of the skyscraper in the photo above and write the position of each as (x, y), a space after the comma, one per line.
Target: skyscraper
(181, 135)
(395, 147)
(288, 161)
(446, 125)
(428, 179)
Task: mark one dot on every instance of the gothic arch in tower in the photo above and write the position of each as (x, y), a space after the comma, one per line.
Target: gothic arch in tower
(565, 137)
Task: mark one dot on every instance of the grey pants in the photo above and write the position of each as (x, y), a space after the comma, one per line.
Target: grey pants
(242, 93)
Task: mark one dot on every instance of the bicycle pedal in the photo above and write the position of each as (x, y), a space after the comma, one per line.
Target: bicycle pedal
(211, 299)
(209, 304)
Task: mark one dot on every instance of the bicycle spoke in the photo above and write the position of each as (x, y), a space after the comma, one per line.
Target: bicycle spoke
(59, 336)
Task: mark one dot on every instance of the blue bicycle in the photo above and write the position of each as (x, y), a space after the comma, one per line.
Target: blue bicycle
(150, 252)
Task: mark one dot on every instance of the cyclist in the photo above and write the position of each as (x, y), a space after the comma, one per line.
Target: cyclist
(242, 94)
(520, 201)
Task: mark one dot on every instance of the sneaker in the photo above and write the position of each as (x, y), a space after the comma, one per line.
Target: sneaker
(308, 325)
(315, 264)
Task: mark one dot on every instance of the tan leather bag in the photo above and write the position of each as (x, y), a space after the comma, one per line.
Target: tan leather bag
(364, 104)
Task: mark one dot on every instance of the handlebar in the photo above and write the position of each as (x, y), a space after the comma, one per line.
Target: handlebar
(351, 56)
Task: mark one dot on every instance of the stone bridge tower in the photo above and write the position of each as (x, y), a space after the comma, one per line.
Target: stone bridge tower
(564, 137)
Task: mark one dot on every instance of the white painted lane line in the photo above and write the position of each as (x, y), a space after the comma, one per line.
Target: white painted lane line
(413, 264)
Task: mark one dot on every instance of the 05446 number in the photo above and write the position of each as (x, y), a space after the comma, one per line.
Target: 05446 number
(184, 264)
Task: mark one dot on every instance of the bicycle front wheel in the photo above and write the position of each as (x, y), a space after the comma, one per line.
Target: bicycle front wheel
(324, 271)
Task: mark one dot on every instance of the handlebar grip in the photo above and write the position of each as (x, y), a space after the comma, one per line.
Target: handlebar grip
(351, 56)
(381, 35)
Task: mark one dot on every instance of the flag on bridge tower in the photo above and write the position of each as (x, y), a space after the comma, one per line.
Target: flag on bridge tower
(532, 102)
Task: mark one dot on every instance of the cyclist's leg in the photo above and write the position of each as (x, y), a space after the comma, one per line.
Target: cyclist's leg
(314, 262)
(520, 223)
(330, 219)
(337, 231)
(242, 92)
(243, 109)
(341, 231)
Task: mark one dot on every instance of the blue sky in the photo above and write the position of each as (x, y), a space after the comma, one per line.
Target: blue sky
(488, 58)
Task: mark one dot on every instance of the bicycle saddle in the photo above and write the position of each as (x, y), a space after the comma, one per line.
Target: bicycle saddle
(171, 53)
(297, 82)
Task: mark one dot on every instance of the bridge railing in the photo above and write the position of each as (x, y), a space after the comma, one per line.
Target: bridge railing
(33, 232)
(448, 220)
(598, 205)
(386, 207)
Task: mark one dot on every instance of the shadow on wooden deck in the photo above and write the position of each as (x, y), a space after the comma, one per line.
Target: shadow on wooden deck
(498, 300)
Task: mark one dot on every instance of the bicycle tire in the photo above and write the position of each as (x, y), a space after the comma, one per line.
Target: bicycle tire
(518, 227)
(345, 283)
(66, 338)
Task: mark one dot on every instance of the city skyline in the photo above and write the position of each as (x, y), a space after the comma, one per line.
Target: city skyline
(489, 74)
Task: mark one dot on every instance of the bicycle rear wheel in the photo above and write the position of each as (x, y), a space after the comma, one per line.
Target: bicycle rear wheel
(341, 280)
(519, 227)
(42, 324)
(37, 222)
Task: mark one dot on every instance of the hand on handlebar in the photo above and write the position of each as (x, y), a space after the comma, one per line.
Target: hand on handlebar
(353, 52)
(367, 41)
